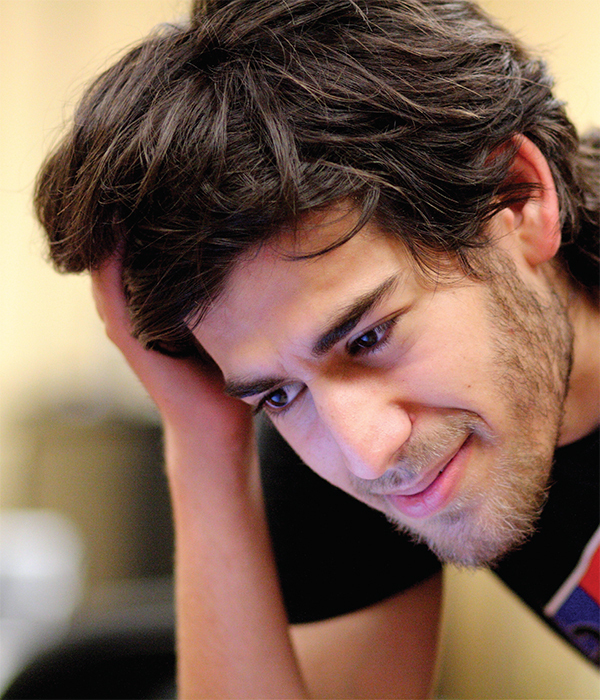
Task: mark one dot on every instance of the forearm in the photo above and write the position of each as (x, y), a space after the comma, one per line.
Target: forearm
(232, 633)
(386, 650)
(231, 627)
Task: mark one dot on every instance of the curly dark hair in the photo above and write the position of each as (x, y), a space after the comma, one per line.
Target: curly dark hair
(207, 138)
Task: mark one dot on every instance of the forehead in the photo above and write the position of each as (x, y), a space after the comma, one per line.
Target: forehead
(275, 303)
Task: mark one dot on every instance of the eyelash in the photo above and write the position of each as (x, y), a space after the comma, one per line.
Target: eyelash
(262, 404)
(383, 328)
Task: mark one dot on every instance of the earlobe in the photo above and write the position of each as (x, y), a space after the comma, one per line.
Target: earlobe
(534, 223)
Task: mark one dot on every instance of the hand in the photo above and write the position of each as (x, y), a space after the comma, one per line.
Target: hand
(197, 415)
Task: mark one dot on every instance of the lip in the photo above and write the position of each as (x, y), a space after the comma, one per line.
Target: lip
(436, 489)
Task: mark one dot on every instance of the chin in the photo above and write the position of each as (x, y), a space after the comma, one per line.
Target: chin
(466, 550)
(478, 532)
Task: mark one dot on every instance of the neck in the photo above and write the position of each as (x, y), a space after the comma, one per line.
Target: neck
(582, 406)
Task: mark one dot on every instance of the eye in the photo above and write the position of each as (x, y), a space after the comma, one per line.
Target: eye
(279, 400)
(372, 339)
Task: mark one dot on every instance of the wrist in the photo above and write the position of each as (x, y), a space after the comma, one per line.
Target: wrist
(200, 467)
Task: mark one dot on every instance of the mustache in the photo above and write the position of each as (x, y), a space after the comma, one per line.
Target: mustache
(420, 454)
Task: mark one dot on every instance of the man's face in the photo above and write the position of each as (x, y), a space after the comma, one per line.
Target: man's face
(438, 404)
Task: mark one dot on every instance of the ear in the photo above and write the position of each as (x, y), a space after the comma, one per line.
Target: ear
(534, 224)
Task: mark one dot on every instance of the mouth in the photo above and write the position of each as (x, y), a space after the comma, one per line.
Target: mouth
(436, 489)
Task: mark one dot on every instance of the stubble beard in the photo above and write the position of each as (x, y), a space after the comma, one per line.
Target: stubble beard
(533, 342)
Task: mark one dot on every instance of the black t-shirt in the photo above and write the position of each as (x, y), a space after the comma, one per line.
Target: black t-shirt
(557, 571)
(336, 555)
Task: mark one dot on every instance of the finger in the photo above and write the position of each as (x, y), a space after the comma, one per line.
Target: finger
(111, 304)
(107, 289)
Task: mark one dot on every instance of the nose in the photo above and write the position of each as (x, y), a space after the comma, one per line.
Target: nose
(367, 426)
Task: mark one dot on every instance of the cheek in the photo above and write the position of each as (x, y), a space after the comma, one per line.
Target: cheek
(450, 367)
(311, 442)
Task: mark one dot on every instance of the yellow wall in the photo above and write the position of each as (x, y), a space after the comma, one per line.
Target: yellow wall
(53, 349)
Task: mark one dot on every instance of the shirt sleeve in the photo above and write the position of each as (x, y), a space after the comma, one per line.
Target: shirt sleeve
(334, 554)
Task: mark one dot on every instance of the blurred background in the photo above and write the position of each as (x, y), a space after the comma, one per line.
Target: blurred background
(83, 502)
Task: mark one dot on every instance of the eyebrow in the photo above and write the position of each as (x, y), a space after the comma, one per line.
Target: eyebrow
(349, 317)
(242, 388)
(338, 328)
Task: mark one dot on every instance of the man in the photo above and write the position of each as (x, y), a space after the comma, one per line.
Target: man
(372, 221)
